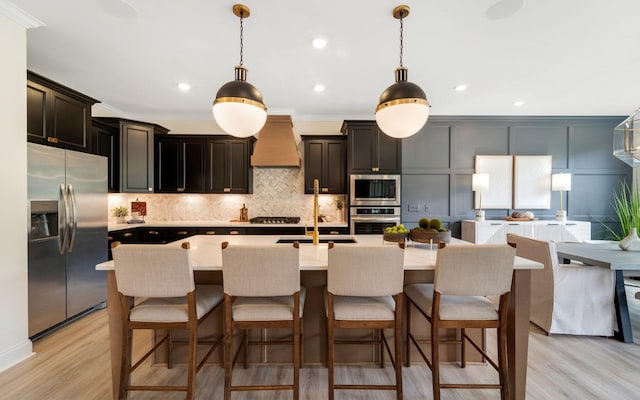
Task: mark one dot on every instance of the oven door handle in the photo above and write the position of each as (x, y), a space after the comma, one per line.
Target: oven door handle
(375, 219)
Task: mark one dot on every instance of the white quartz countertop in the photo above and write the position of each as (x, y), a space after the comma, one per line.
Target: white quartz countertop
(206, 251)
(201, 224)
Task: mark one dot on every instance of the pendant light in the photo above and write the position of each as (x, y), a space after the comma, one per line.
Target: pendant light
(238, 107)
(403, 108)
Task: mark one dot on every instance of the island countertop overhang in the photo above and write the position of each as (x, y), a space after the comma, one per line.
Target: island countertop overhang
(206, 251)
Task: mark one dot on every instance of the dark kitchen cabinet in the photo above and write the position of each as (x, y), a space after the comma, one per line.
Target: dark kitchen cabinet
(57, 115)
(180, 164)
(228, 168)
(225, 230)
(136, 164)
(370, 150)
(325, 159)
(105, 143)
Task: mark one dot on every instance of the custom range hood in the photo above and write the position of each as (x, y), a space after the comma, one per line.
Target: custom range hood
(276, 145)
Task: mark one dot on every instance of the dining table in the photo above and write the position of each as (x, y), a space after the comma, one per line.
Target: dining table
(607, 254)
(206, 255)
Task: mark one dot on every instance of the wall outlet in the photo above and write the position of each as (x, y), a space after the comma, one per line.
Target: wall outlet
(412, 208)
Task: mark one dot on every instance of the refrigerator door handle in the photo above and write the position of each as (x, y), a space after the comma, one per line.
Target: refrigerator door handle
(63, 211)
(73, 218)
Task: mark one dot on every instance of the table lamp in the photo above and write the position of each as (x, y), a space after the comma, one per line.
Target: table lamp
(479, 184)
(560, 183)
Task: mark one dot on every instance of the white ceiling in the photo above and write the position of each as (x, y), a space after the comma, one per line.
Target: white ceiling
(561, 57)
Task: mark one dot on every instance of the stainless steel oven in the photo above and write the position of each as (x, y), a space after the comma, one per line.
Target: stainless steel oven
(374, 190)
(373, 220)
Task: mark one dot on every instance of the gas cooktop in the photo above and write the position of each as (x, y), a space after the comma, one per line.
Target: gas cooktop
(274, 220)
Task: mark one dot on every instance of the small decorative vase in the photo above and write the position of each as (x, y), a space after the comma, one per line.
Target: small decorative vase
(120, 220)
(339, 216)
(631, 242)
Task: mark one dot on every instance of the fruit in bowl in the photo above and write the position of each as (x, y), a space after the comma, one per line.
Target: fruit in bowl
(396, 233)
(430, 231)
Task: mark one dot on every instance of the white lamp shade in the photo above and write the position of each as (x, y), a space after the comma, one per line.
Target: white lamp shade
(239, 119)
(402, 120)
(480, 182)
(561, 182)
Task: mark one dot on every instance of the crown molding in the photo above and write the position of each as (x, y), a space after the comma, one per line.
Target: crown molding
(19, 16)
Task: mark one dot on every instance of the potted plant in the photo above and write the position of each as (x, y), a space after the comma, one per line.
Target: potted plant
(120, 212)
(626, 204)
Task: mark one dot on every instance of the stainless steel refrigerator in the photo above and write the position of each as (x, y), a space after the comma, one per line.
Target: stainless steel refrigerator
(67, 200)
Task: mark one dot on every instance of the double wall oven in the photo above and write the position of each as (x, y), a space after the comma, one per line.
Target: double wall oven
(374, 203)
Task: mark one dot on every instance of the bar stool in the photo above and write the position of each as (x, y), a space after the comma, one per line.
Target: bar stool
(364, 290)
(262, 291)
(464, 274)
(160, 279)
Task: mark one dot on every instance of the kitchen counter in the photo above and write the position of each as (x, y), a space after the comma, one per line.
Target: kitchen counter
(201, 224)
(206, 253)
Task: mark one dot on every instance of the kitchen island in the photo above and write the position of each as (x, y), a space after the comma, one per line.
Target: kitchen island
(419, 265)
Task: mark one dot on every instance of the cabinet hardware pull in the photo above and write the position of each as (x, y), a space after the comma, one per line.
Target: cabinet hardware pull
(570, 224)
(552, 224)
(325, 189)
(153, 232)
(211, 232)
(375, 169)
(227, 190)
(334, 233)
(109, 238)
(514, 224)
(52, 140)
(234, 233)
(182, 232)
(150, 189)
(181, 189)
(128, 234)
(495, 224)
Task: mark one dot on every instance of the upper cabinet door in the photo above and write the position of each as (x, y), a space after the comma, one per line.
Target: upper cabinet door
(370, 150)
(136, 158)
(228, 169)
(105, 143)
(168, 169)
(193, 165)
(325, 159)
(57, 115)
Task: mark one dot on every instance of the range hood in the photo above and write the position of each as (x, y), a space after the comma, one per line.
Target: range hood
(276, 145)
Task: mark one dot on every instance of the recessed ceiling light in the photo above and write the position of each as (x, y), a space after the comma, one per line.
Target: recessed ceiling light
(185, 87)
(319, 43)
(319, 87)
(518, 103)
(460, 88)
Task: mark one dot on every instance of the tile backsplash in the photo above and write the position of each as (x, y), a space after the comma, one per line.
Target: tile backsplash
(276, 192)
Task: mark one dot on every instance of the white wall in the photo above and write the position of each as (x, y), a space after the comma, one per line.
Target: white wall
(14, 342)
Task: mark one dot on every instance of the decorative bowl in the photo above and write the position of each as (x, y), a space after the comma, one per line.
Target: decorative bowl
(396, 237)
(430, 237)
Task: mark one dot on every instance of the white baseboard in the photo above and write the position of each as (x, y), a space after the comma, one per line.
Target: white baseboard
(15, 354)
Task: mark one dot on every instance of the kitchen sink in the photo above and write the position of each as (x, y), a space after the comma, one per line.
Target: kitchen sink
(307, 239)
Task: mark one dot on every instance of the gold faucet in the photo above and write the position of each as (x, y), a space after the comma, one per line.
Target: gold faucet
(314, 233)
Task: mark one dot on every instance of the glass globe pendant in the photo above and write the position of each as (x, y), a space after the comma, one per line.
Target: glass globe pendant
(239, 108)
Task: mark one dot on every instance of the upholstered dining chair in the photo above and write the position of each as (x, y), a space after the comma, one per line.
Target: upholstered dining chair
(464, 275)
(159, 281)
(364, 290)
(262, 291)
(574, 299)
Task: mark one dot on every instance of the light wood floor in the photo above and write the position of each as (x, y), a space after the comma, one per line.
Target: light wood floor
(73, 363)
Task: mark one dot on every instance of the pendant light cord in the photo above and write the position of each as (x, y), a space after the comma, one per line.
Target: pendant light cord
(401, 38)
(241, 36)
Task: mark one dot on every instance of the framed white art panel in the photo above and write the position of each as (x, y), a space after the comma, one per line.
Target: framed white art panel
(500, 170)
(532, 182)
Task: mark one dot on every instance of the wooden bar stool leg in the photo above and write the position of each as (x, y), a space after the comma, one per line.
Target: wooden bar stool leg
(296, 347)
(228, 342)
(463, 348)
(191, 378)
(407, 361)
(330, 347)
(380, 335)
(398, 346)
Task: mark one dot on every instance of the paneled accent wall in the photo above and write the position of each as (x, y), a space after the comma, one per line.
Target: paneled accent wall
(437, 164)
